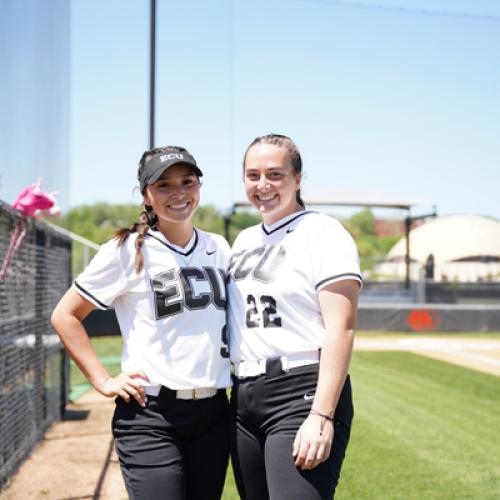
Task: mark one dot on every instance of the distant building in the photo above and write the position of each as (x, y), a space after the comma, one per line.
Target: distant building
(389, 227)
(392, 227)
(464, 248)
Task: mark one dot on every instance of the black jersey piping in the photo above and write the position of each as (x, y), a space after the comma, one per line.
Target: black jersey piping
(287, 222)
(189, 252)
(97, 301)
(337, 276)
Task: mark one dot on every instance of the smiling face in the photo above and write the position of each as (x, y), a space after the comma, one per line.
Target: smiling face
(174, 197)
(270, 182)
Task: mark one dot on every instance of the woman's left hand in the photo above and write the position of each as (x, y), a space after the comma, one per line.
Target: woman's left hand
(313, 442)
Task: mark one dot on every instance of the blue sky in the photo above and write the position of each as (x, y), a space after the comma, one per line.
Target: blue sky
(386, 99)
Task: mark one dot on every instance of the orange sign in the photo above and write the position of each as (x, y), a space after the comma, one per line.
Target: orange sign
(423, 320)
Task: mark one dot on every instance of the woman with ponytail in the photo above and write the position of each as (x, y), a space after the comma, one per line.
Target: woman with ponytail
(165, 280)
(293, 290)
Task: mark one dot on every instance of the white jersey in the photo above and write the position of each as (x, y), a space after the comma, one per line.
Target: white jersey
(172, 314)
(275, 275)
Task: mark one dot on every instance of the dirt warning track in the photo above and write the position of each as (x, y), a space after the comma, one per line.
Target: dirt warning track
(76, 459)
(478, 354)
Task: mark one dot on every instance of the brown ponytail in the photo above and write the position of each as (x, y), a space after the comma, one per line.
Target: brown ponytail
(147, 219)
(299, 199)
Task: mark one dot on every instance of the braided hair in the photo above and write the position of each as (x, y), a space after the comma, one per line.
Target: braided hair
(282, 141)
(147, 217)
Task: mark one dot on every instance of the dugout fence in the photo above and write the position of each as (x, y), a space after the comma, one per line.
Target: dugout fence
(33, 364)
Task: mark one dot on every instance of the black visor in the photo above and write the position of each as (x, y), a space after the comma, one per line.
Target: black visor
(159, 163)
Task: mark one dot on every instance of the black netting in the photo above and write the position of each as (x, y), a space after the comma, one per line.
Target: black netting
(33, 365)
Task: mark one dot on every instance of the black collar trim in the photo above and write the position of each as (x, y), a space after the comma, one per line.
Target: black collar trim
(287, 222)
(176, 250)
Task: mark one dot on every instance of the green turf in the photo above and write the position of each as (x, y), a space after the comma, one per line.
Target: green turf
(423, 429)
(230, 492)
(109, 351)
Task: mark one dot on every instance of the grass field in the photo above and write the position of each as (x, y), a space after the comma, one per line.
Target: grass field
(423, 429)
(109, 350)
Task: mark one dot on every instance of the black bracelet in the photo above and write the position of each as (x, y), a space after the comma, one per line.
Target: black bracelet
(314, 412)
(324, 417)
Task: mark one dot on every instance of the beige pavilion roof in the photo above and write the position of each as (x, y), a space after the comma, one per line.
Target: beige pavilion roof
(450, 238)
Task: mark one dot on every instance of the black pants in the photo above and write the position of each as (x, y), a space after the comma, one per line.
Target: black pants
(173, 449)
(267, 412)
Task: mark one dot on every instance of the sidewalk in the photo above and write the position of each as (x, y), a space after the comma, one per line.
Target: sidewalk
(76, 460)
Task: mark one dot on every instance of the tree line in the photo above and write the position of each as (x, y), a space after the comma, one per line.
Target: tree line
(100, 221)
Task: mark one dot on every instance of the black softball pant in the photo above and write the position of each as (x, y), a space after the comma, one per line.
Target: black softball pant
(173, 449)
(266, 413)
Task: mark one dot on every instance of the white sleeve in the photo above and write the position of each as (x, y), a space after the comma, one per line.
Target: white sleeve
(335, 256)
(103, 280)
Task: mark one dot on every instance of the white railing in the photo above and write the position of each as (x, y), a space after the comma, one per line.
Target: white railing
(80, 258)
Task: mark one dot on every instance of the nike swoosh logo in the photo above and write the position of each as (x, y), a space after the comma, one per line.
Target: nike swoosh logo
(308, 397)
(211, 252)
(290, 230)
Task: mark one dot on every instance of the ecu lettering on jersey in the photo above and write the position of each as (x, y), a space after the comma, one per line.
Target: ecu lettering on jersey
(262, 263)
(188, 287)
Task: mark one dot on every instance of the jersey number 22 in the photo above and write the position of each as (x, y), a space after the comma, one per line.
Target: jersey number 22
(268, 318)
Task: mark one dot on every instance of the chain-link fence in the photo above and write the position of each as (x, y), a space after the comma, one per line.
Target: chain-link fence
(33, 365)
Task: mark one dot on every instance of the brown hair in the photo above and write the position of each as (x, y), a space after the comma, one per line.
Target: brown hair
(282, 141)
(147, 218)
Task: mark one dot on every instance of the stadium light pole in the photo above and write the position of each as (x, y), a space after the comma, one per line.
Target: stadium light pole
(409, 220)
(152, 72)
